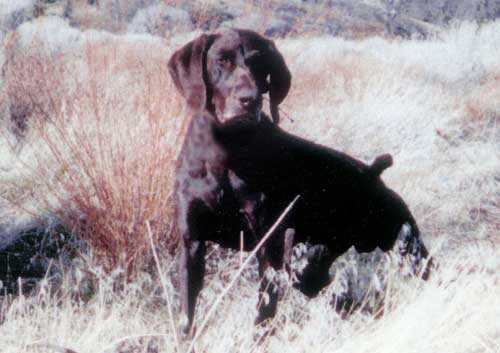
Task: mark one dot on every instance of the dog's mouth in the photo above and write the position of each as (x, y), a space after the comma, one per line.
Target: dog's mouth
(246, 117)
(252, 107)
(251, 111)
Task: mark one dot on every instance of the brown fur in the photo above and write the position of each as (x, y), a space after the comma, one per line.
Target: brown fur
(220, 75)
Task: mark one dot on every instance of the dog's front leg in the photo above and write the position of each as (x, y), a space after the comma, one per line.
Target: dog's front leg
(268, 292)
(275, 273)
(192, 260)
(192, 270)
(253, 210)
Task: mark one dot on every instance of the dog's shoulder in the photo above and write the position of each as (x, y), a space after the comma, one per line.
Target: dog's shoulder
(200, 154)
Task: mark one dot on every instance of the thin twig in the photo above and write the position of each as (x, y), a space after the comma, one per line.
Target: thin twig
(164, 285)
(241, 248)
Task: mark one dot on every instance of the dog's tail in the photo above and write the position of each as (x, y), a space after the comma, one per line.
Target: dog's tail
(381, 163)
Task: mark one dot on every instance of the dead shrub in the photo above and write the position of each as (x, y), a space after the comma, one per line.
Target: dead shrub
(105, 123)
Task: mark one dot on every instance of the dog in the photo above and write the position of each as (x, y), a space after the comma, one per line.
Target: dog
(343, 202)
(231, 178)
(220, 75)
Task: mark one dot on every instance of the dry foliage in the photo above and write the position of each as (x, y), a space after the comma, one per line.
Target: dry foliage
(99, 150)
(104, 119)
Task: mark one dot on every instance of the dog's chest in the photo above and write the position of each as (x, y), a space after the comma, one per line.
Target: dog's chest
(201, 167)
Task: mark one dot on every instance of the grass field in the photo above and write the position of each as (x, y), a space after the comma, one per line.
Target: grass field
(98, 153)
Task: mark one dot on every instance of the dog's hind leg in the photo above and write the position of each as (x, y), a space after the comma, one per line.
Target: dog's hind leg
(315, 275)
(312, 278)
(411, 252)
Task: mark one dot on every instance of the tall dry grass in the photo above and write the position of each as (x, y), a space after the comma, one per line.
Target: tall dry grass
(432, 104)
(105, 124)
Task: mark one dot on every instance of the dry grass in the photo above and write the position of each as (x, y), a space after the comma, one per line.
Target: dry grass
(106, 141)
(103, 160)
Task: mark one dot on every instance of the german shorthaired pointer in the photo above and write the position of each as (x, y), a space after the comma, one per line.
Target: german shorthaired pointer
(237, 170)
(220, 75)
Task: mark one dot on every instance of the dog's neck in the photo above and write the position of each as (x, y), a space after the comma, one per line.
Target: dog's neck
(199, 142)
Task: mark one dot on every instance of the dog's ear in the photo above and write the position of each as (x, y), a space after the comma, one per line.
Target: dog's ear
(187, 66)
(279, 80)
(272, 64)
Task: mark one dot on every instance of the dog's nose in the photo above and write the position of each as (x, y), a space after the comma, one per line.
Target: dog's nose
(248, 102)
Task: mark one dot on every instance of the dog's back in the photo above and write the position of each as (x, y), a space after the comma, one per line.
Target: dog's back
(343, 200)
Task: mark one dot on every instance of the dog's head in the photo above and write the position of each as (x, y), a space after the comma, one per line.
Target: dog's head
(228, 72)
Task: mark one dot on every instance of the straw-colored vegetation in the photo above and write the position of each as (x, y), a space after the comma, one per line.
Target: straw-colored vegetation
(98, 152)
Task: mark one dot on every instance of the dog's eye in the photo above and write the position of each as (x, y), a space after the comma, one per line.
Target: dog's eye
(226, 60)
